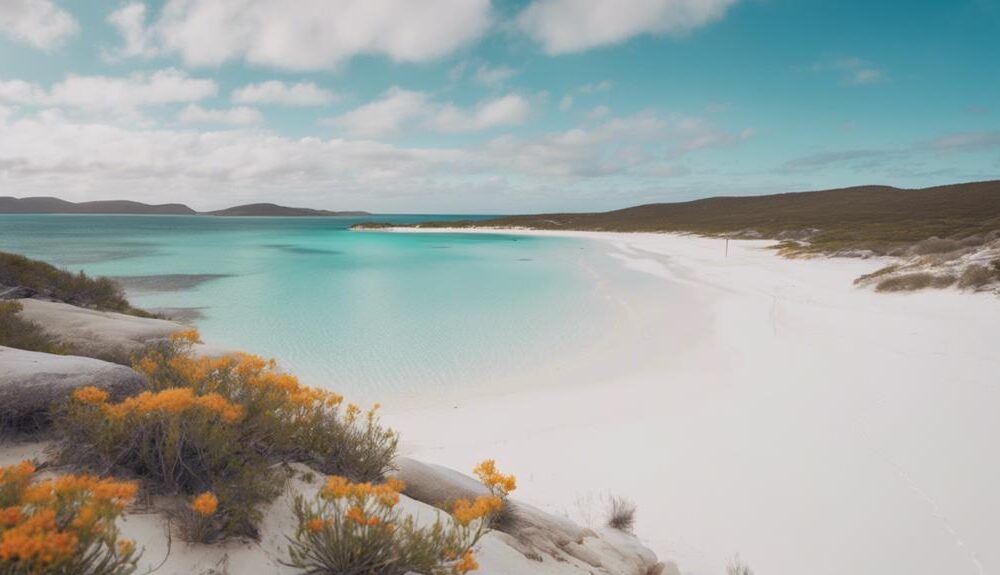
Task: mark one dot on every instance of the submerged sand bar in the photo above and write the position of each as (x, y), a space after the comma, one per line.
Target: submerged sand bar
(759, 405)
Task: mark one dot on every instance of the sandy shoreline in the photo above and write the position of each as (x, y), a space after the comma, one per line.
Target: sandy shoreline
(763, 406)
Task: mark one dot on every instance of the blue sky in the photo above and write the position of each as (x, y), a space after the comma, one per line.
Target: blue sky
(474, 106)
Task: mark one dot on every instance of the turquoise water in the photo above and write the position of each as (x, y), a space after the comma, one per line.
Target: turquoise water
(364, 312)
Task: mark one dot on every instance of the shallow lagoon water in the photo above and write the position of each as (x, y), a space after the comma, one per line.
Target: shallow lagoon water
(369, 313)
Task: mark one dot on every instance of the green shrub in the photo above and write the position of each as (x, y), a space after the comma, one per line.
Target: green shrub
(77, 289)
(20, 333)
(221, 424)
(178, 442)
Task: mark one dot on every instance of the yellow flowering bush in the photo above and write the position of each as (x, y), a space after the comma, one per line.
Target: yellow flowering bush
(220, 424)
(179, 442)
(281, 417)
(357, 528)
(64, 525)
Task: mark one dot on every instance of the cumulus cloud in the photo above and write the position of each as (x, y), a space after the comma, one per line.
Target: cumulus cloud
(110, 93)
(238, 116)
(37, 23)
(84, 159)
(509, 110)
(399, 110)
(566, 26)
(275, 92)
(130, 21)
(314, 34)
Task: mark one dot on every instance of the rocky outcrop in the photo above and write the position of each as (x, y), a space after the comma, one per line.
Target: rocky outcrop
(537, 536)
(93, 333)
(31, 382)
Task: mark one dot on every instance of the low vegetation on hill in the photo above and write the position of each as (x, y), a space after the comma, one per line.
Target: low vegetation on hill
(877, 218)
(944, 235)
(46, 280)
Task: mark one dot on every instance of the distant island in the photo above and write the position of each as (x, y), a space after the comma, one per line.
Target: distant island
(49, 205)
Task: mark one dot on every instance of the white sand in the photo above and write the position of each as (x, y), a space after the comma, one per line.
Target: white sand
(758, 405)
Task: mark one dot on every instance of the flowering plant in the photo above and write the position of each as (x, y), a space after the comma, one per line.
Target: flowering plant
(64, 525)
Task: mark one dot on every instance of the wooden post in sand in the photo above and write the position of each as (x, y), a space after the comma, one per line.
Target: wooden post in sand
(727, 247)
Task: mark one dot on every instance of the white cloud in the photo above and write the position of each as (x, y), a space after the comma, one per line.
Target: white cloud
(238, 116)
(46, 150)
(565, 26)
(387, 116)
(399, 110)
(316, 34)
(110, 93)
(509, 110)
(130, 21)
(494, 76)
(275, 92)
(37, 23)
(566, 103)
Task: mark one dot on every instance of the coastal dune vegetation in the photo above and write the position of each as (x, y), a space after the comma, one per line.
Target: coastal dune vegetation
(214, 436)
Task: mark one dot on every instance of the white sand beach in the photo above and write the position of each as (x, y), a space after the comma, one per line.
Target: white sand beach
(758, 405)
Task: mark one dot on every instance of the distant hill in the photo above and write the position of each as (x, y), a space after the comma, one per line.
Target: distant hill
(864, 216)
(276, 210)
(47, 205)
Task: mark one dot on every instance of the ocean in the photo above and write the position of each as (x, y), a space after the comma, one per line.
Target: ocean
(367, 313)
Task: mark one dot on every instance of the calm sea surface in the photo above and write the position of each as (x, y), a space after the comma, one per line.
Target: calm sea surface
(365, 312)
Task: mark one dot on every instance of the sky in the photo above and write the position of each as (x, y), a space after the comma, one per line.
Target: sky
(492, 106)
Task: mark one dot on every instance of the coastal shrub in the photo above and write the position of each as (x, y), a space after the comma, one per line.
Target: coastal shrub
(77, 289)
(875, 274)
(20, 333)
(178, 442)
(357, 528)
(281, 418)
(64, 525)
(914, 281)
(935, 246)
(198, 521)
(976, 276)
(621, 514)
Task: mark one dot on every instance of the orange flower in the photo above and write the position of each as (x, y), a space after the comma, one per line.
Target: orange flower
(496, 481)
(205, 504)
(465, 511)
(315, 525)
(90, 394)
(186, 336)
(356, 514)
(466, 564)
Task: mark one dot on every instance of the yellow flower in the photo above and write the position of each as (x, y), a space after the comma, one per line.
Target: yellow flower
(315, 525)
(355, 514)
(496, 481)
(205, 504)
(90, 394)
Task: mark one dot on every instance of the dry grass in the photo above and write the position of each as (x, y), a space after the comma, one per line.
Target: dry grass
(621, 514)
(915, 281)
(976, 276)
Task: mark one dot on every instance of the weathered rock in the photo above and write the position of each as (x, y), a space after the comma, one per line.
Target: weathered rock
(30, 382)
(93, 333)
(536, 534)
